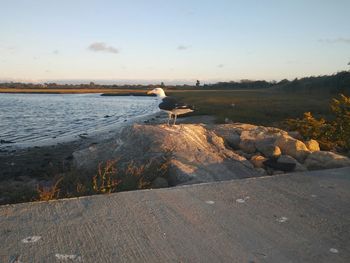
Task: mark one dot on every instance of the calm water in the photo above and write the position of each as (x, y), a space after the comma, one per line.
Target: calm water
(34, 118)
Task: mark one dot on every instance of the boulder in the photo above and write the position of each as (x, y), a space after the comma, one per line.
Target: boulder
(289, 159)
(259, 138)
(312, 145)
(258, 161)
(326, 160)
(268, 149)
(286, 159)
(293, 147)
(229, 134)
(280, 166)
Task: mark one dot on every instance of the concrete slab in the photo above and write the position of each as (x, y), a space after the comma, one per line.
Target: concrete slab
(302, 217)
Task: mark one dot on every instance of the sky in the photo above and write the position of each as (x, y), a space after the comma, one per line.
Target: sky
(174, 41)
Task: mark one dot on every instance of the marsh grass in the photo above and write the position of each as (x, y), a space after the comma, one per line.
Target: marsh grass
(262, 107)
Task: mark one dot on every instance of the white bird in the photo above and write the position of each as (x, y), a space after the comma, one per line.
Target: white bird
(170, 105)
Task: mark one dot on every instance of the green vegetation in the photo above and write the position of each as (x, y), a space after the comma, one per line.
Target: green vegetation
(330, 133)
(259, 102)
(261, 106)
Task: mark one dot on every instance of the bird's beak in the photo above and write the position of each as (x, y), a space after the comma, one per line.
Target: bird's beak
(150, 92)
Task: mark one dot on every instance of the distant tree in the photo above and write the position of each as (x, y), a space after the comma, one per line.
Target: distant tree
(198, 83)
(162, 84)
(92, 84)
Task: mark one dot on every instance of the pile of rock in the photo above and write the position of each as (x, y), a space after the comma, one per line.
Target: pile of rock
(273, 151)
(198, 153)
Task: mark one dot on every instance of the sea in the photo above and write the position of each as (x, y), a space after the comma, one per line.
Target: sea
(27, 120)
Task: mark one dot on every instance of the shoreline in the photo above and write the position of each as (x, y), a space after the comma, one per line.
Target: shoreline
(23, 168)
(83, 136)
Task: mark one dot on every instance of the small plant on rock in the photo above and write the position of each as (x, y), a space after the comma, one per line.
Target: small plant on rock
(47, 193)
(105, 180)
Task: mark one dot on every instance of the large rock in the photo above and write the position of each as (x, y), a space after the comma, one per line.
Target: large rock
(326, 160)
(195, 153)
(268, 149)
(229, 133)
(279, 166)
(293, 147)
(312, 145)
(289, 159)
(253, 138)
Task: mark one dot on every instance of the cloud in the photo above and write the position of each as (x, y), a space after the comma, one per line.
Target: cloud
(343, 40)
(182, 47)
(55, 52)
(220, 65)
(102, 47)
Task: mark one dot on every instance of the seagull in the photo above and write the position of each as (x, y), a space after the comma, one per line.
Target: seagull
(170, 105)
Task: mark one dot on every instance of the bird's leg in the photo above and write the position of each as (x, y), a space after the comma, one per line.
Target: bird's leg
(175, 119)
(169, 117)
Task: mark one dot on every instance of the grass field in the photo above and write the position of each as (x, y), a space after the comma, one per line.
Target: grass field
(255, 106)
(261, 106)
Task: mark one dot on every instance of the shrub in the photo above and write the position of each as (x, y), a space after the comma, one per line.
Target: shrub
(329, 133)
(341, 124)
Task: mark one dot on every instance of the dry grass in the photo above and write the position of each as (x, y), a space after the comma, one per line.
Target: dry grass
(47, 193)
(108, 179)
(105, 181)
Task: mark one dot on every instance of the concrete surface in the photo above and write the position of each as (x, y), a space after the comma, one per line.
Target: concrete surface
(301, 217)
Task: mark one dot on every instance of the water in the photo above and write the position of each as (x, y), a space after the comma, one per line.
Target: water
(31, 119)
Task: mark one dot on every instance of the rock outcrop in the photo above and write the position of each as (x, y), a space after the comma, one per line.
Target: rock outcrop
(196, 154)
(203, 153)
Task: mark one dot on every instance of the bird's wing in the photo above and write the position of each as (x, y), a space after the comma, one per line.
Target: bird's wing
(169, 103)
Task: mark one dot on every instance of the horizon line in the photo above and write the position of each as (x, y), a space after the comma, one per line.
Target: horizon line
(146, 81)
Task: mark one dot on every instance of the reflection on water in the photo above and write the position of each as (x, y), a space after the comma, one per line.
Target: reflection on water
(30, 118)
